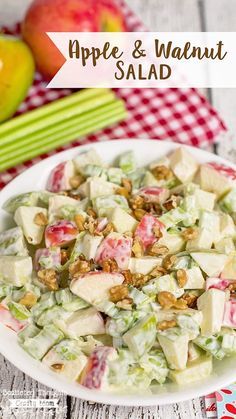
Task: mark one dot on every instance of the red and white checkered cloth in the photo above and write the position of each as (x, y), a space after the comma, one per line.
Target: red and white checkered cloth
(181, 115)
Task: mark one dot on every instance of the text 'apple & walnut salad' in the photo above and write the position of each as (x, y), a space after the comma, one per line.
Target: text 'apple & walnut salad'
(124, 276)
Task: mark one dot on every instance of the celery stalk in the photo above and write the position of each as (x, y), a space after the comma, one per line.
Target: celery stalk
(64, 114)
(28, 144)
(90, 127)
(57, 105)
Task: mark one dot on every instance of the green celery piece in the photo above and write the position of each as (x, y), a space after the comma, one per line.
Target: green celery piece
(52, 143)
(18, 311)
(38, 345)
(63, 126)
(58, 109)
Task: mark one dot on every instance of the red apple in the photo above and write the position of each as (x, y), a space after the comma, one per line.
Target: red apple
(65, 16)
(60, 233)
(144, 230)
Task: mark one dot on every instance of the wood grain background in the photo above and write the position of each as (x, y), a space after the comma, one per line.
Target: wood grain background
(158, 15)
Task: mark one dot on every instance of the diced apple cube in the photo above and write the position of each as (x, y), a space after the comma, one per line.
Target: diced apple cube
(210, 221)
(212, 304)
(195, 370)
(194, 352)
(183, 165)
(25, 218)
(122, 221)
(15, 270)
(201, 242)
(144, 230)
(60, 233)
(115, 246)
(205, 200)
(142, 336)
(150, 180)
(154, 194)
(93, 287)
(229, 319)
(217, 178)
(212, 263)
(173, 241)
(95, 187)
(59, 179)
(227, 226)
(47, 258)
(143, 265)
(88, 157)
(8, 320)
(70, 368)
(96, 371)
(229, 271)
(175, 348)
(90, 245)
(12, 243)
(225, 245)
(195, 279)
(87, 321)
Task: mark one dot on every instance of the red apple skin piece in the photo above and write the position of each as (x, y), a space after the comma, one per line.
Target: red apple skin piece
(154, 194)
(218, 283)
(59, 179)
(229, 319)
(65, 16)
(118, 248)
(226, 171)
(9, 321)
(95, 372)
(60, 233)
(144, 230)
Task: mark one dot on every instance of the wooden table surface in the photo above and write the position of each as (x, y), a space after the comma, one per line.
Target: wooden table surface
(158, 15)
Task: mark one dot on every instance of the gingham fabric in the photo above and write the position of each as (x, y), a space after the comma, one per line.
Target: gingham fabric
(181, 115)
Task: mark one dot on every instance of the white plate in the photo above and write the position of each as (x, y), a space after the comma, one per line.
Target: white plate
(35, 179)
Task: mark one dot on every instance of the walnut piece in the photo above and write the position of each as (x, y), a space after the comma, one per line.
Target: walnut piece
(157, 272)
(108, 229)
(125, 304)
(181, 277)
(40, 219)
(79, 221)
(232, 287)
(91, 212)
(49, 278)
(190, 299)
(157, 249)
(137, 248)
(167, 300)
(171, 203)
(64, 256)
(79, 267)
(118, 293)
(122, 191)
(157, 232)
(58, 367)
(139, 213)
(127, 184)
(28, 300)
(162, 173)
(166, 324)
(91, 225)
(109, 265)
(169, 261)
(136, 202)
(76, 181)
(190, 233)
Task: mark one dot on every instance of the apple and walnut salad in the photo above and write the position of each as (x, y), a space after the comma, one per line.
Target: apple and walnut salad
(124, 276)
